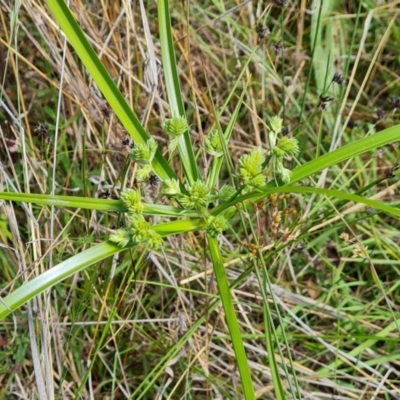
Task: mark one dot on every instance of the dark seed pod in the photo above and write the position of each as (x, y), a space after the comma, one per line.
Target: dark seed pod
(279, 3)
(41, 130)
(278, 47)
(338, 78)
(106, 111)
(153, 180)
(262, 32)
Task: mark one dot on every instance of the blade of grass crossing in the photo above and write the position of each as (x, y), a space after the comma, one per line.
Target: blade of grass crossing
(65, 201)
(373, 142)
(67, 268)
(88, 203)
(257, 196)
(231, 320)
(279, 392)
(105, 83)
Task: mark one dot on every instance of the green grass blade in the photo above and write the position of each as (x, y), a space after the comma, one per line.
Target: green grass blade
(65, 201)
(363, 145)
(257, 196)
(94, 204)
(231, 320)
(173, 89)
(180, 226)
(269, 331)
(357, 352)
(105, 83)
(51, 277)
(276, 379)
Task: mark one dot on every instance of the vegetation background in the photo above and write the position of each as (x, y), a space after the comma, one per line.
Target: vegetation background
(140, 325)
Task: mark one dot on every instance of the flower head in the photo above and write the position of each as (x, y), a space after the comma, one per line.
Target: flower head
(143, 173)
(290, 146)
(213, 144)
(258, 181)
(171, 187)
(121, 238)
(252, 163)
(132, 201)
(143, 153)
(139, 228)
(251, 166)
(198, 195)
(276, 124)
(284, 173)
(154, 239)
(226, 192)
(216, 225)
(175, 127)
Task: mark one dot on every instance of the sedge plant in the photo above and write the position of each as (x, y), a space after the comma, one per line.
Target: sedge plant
(197, 203)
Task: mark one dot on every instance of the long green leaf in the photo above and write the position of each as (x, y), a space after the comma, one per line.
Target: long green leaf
(51, 277)
(65, 201)
(173, 89)
(373, 142)
(231, 320)
(94, 204)
(261, 194)
(105, 83)
(79, 262)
